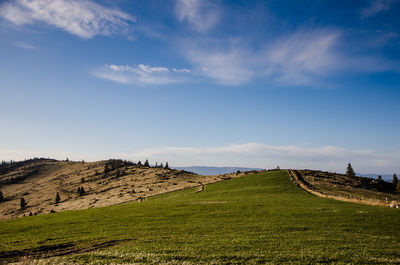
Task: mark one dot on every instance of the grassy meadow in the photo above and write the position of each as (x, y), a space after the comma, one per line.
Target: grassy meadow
(255, 219)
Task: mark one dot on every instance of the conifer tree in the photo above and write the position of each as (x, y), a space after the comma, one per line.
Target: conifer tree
(82, 191)
(398, 187)
(139, 163)
(395, 180)
(22, 203)
(350, 171)
(166, 165)
(156, 165)
(161, 165)
(146, 163)
(58, 199)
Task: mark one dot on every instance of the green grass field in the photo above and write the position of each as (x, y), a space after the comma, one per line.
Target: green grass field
(256, 219)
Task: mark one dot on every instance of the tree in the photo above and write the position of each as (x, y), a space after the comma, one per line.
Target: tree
(156, 165)
(166, 165)
(146, 163)
(350, 171)
(82, 180)
(22, 203)
(380, 178)
(58, 199)
(81, 191)
(395, 180)
(139, 163)
(161, 165)
(398, 187)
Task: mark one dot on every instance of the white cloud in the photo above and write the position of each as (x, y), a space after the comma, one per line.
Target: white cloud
(268, 156)
(375, 7)
(83, 18)
(141, 74)
(202, 15)
(25, 45)
(183, 70)
(305, 57)
(227, 67)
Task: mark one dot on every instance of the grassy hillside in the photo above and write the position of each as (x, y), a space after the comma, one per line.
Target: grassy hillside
(105, 183)
(255, 219)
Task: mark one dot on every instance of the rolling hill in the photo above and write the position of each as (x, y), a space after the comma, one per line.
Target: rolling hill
(261, 218)
(105, 183)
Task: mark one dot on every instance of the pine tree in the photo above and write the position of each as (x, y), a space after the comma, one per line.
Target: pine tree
(161, 165)
(82, 191)
(22, 203)
(395, 180)
(146, 163)
(156, 165)
(398, 187)
(166, 165)
(350, 171)
(139, 163)
(58, 199)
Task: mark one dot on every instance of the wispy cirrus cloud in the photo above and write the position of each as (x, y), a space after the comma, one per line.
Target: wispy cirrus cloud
(375, 7)
(201, 15)
(25, 45)
(304, 57)
(141, 74)
(269, 156)
(83, 18)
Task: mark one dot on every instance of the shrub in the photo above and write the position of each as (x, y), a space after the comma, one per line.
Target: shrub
(1, 197)
(82, 180)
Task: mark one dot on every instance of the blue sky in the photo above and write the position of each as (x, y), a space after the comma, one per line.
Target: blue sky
(300, 84)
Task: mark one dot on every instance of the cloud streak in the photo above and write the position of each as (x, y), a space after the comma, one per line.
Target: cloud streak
(82, 18)
(201, 15)
(25, 45)
(268, 156)
(302, 58)
(141, 74)
(375, 7)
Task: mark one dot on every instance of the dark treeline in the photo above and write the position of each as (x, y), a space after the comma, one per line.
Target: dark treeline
(7, 166)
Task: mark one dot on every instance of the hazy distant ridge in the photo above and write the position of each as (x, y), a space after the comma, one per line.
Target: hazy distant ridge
(203, 170)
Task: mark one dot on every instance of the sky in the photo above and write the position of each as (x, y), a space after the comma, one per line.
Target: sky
(300, 84)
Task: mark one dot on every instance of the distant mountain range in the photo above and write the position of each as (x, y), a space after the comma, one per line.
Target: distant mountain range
(214, 170)
(375, 176)
(204, 170)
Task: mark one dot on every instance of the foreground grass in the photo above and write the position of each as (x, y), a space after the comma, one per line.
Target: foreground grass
(257, 219)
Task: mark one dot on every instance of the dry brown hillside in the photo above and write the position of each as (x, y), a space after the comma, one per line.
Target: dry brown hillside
(104, 182)
(342, 187)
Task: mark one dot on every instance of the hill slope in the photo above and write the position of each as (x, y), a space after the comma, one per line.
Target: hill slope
(340, 186)
(105, 183)
(255, 219)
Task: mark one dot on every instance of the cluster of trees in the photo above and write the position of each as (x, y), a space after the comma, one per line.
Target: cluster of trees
(395, 181)
(81, 191)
